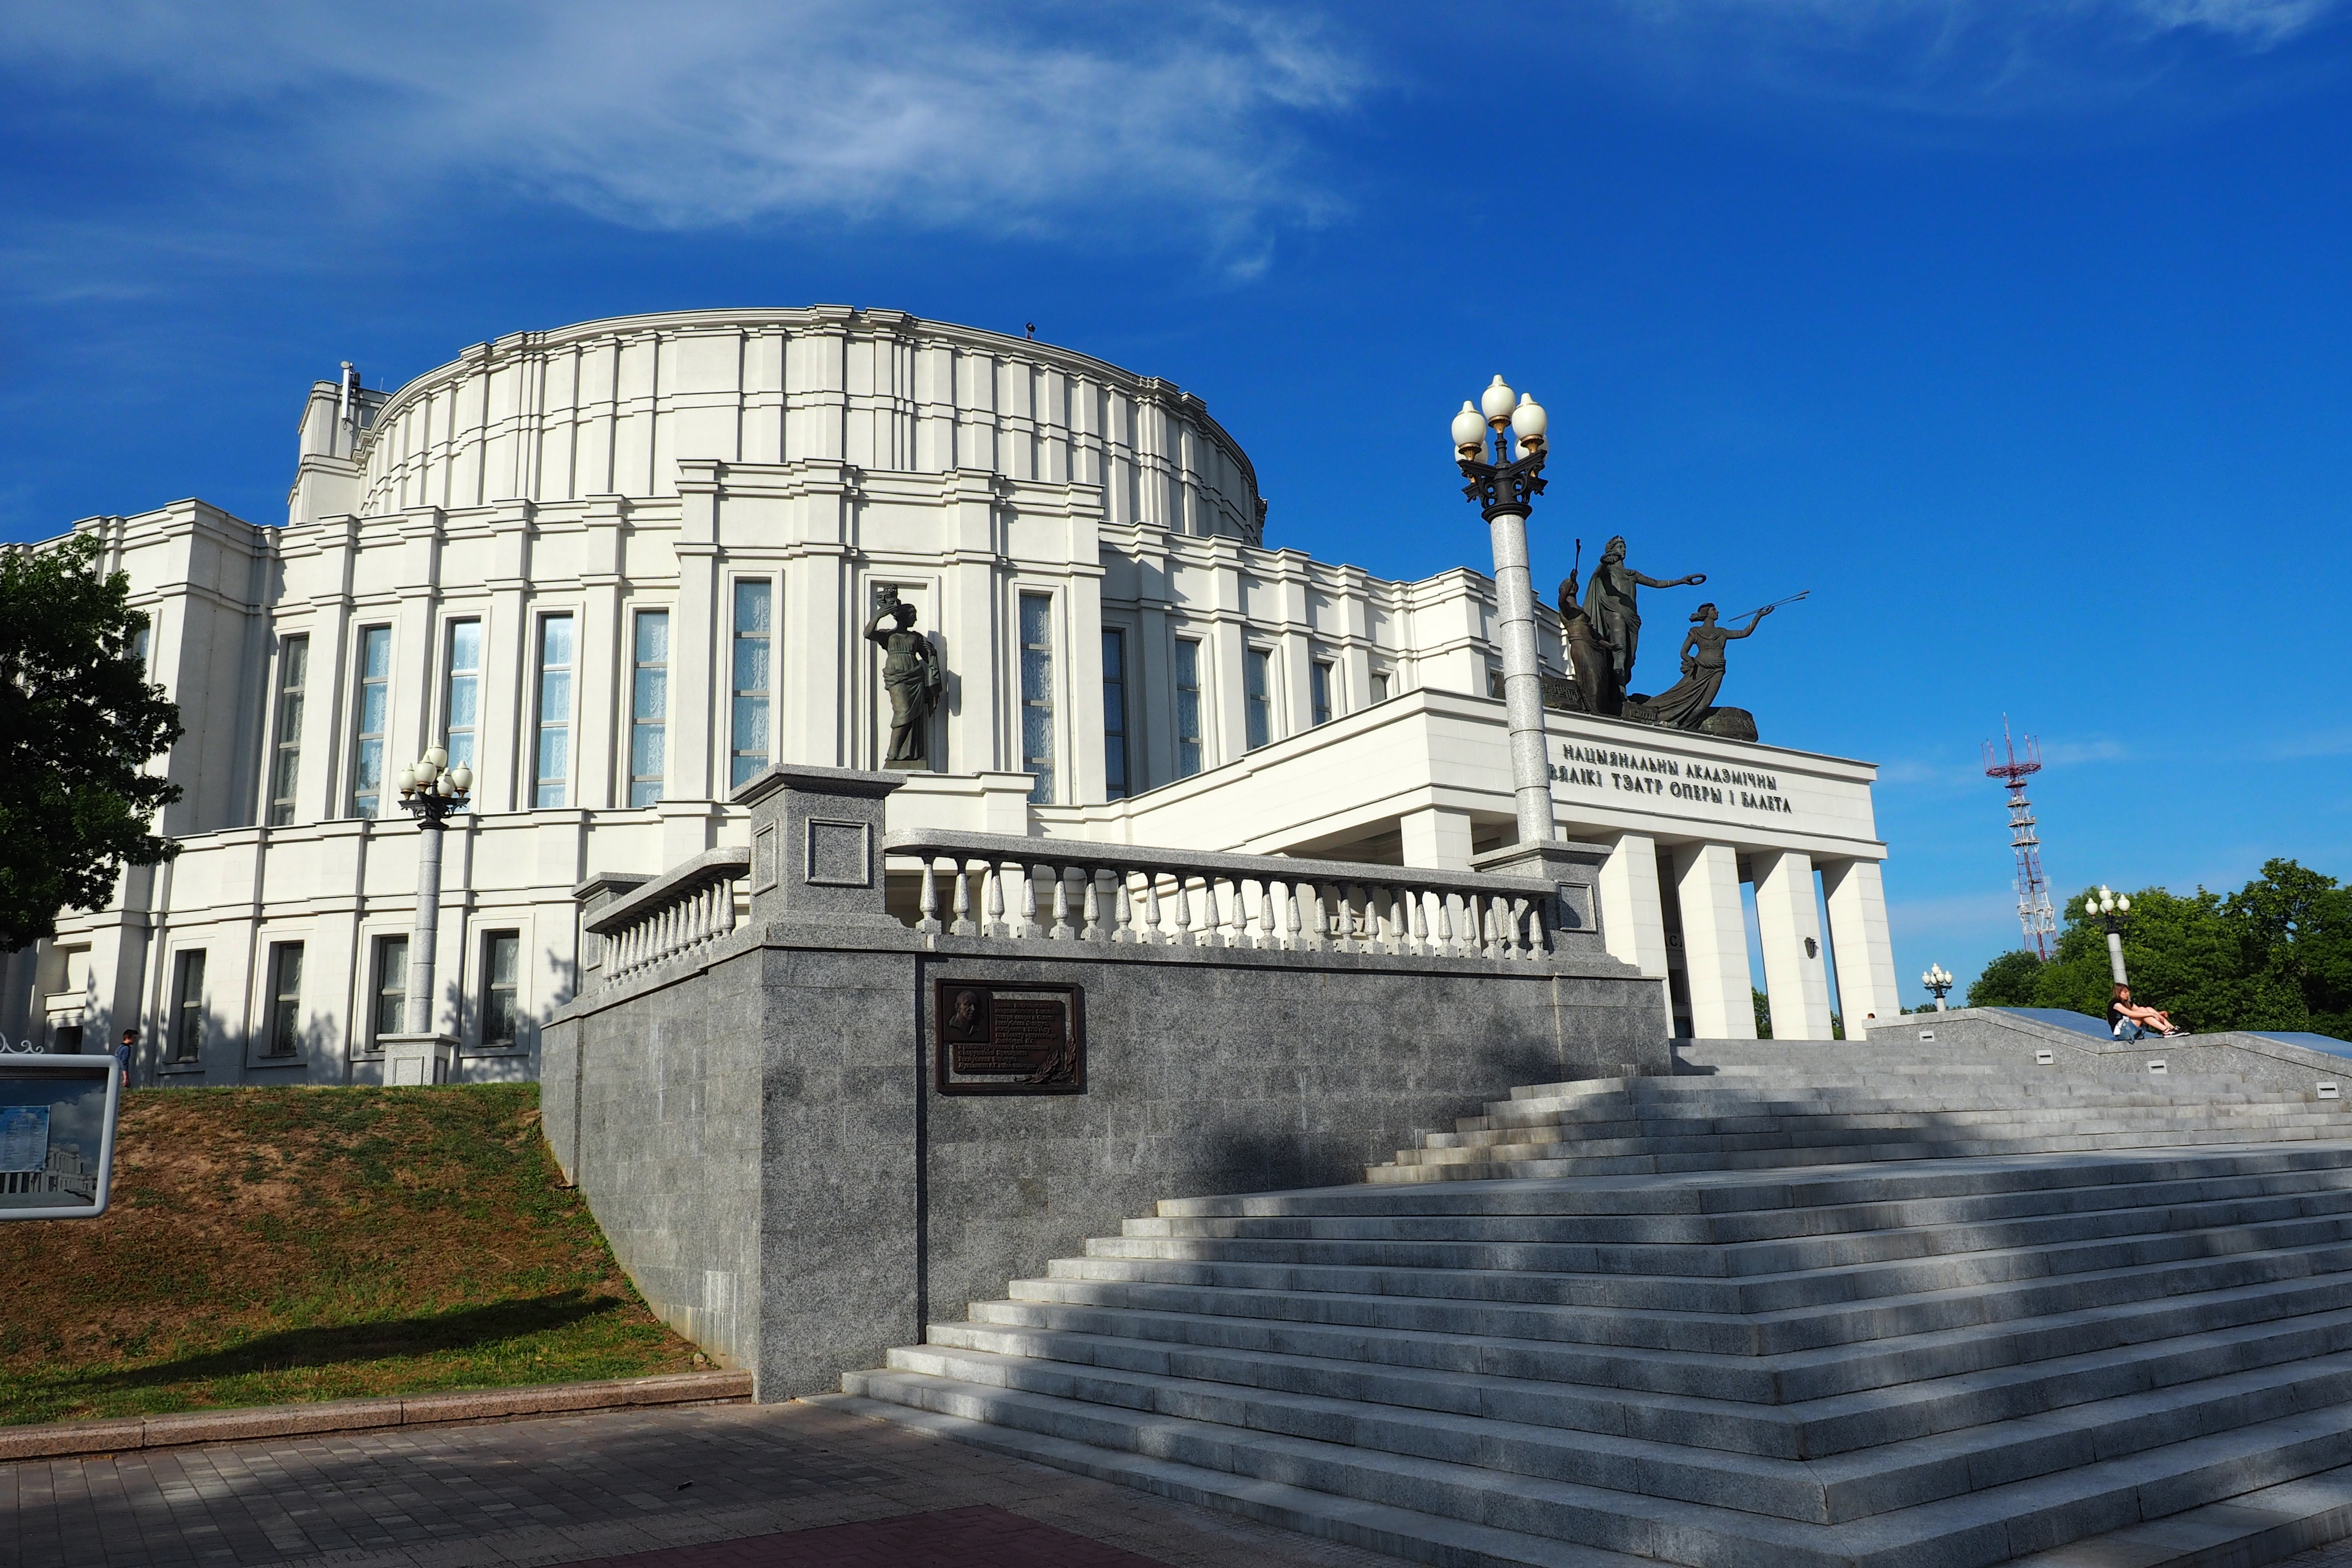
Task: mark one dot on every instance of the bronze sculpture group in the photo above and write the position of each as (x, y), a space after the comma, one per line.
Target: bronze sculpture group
(1603, 633)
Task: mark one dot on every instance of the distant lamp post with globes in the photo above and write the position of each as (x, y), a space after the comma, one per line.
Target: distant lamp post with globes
(1504, 487)
(432, 792)
(1938, 982)
(2115, 909)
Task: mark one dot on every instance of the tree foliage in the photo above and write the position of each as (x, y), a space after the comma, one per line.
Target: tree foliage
(78, 723)
(2275, 954)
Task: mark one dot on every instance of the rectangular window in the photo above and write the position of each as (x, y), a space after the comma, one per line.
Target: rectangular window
(389, 1012)
(553, 768)
(1114, 715)
(754, 632)
(1257, 696)
(501, 957)
(188, 1008)
(649, 709)
(286, 757)
(1322, 683)
(1379, 687)
(1187, 707)
(368, 721)
(285, 999)
(461, 702)
(1037, 694)
(139, 646)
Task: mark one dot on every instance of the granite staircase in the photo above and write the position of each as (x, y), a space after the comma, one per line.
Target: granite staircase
(1885, 1314)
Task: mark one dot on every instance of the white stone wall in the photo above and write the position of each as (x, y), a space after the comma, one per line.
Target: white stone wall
(652, 463)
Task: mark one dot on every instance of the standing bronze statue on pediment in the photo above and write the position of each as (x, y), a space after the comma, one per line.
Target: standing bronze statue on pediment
(1610, 600)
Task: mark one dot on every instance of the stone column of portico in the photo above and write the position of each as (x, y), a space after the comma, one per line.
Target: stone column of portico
(1787, 919)
(1860, 944)
(1715, 941)
(1633, 919)
(1436, 839)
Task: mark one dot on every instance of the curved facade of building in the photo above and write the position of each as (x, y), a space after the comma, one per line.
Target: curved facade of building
(620, 567)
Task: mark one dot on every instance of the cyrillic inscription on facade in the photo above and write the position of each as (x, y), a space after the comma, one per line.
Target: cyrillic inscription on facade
(1688, 779)
(1009, 1040)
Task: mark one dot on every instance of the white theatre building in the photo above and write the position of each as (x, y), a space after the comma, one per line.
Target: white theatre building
(622, 566)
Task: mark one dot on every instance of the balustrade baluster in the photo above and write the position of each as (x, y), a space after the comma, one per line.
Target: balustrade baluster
(1384, 900)
(963, 925)
(1490, 927)
(1152, 908)
(992, 887)
(1061, 875)
(1266, 936)
(1212, 921)
(1236, 927)
(1184, 902)
(1317, 924)
(1520, 913)
(928, 904)
(1417, 921)
(1093, 930)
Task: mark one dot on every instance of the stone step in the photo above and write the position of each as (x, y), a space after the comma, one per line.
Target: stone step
(1984, 1526)
(1516, 1425)
(1775, 1158)
(1719, 1259)
(1588, 1116)
(2249, 1528)
(1830, 1126)
(1466, 1341)
(1541, 1384)
(1540, 1308)
(1735, 1191)
(1730, 1227)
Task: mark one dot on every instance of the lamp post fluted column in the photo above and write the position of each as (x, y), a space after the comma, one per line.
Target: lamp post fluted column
(432, 793)
(1504, 489)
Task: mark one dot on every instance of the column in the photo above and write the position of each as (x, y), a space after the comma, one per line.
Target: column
(1795, 973)
(1436, 839)
(1715, 941)
(1860, 944)
(1632, 921)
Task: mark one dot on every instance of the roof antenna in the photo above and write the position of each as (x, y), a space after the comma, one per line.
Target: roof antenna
(344, 394)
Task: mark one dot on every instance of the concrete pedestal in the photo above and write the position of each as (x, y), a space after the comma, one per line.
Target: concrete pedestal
(412, 1060)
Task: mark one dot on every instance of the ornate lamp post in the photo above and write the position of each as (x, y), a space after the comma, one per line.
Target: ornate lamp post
(432, 792)
(1505, 487)
(1938, 982)
(2115, 909)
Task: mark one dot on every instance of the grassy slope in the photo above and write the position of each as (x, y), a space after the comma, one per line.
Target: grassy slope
(271, 1245)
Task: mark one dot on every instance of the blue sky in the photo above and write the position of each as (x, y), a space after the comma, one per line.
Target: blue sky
(2017, 332)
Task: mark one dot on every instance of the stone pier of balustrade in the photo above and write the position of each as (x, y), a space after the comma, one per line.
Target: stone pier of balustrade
(1005, 888)
(688, 907)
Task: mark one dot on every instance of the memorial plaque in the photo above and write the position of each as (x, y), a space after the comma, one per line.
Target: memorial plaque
(995, 1039)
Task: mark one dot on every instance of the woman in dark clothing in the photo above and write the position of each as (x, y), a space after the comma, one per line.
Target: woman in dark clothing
(2123, 1013)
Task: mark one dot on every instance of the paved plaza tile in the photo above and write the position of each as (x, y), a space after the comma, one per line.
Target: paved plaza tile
(713, 1487)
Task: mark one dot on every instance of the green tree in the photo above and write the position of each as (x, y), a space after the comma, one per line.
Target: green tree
(2294, 927)
(1763, 1013)
(2184, 955)
(2010, 981)
(78, 721)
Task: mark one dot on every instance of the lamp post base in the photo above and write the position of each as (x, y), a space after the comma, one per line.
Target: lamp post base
(415, 1060)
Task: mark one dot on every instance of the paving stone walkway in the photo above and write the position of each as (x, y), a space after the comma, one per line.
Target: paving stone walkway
(713, 1487)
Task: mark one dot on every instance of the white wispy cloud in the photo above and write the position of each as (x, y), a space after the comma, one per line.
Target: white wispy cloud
(696, 114)
(1957, 58)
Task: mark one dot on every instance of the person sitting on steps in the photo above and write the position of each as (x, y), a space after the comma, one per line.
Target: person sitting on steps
(2123, 1014)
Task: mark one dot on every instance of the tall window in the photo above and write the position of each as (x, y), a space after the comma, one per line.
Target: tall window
(1258, 699)
(753, 630)
(391, 993)
(1114, 715)
(286, 759)
(501, 957)
(1322, 692)
(553, 751)
(649, 707)
(1187, 707)
(188, 1008)
(1037, 694)
(285, 999)
(1379, 686)
(368, 721)
(461, 704)
(139, 646)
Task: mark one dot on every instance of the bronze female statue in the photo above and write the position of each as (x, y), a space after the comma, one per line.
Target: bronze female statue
(910, 674)
(1682, 705)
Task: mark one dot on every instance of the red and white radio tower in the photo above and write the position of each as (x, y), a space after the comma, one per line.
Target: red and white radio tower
(2034, 911)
